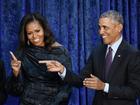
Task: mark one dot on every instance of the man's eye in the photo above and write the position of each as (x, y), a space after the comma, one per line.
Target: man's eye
(106, 28)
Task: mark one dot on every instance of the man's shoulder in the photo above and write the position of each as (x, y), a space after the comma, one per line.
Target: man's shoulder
(129, 47)
(128, 50)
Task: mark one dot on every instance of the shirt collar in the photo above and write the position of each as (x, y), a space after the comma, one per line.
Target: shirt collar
(115, 45)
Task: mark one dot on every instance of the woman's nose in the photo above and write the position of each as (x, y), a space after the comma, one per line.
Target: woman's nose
(34, 35)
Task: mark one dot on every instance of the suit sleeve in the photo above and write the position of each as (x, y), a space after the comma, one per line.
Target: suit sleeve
(130, 90)
(77, 80)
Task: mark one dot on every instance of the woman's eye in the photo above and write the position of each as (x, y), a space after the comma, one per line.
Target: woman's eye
(37, 30)
(29, 33)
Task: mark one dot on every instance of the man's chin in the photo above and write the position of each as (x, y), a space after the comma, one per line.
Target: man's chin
(105, 42)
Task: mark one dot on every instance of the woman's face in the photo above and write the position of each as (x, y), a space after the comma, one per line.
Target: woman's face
(35, 33)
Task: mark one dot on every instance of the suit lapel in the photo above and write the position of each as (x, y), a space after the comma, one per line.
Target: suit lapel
(116, 61)
(101, 61)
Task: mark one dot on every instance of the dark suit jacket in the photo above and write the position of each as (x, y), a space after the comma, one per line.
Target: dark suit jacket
(123, 78)
(2, 84)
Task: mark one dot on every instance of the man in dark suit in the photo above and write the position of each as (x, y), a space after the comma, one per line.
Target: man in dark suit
(3, 94)
(113, 68)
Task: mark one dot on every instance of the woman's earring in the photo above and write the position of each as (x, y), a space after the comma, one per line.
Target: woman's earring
(28, 42)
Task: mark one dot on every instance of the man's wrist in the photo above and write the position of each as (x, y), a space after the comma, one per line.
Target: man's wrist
(62, 70)
(106, 88)
(63, 74)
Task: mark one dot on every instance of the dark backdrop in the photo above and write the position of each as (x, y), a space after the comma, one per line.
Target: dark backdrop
(75, 25)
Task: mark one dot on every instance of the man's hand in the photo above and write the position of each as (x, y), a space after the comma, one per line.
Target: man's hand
(53, 66)
(94, 83)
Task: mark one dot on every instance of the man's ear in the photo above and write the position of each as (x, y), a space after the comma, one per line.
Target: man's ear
(120, 27)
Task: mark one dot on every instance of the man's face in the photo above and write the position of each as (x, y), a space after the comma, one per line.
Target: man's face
(109, 30)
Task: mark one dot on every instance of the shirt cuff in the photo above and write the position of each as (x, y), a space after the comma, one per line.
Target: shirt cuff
(106, 88)
(62, 75)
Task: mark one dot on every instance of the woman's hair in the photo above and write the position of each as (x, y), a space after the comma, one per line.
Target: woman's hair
(48, 35)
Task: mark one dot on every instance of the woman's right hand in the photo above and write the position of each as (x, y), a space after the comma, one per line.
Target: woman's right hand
(53, 66)
(15, 64)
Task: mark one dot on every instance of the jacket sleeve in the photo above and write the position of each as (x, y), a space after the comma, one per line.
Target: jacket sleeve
(14, 85)
(77, 80)
(3, 94)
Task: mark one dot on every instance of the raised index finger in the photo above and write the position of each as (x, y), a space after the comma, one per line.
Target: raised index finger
(13, 56)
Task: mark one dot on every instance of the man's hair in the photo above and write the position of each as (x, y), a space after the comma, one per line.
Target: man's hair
(114, 15)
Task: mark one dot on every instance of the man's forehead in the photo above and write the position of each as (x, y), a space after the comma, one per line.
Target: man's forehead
(107, 20)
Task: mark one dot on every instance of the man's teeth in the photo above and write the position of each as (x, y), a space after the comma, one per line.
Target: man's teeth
(104, 36)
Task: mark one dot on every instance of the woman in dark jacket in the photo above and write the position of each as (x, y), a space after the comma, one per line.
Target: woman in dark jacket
(30, 79)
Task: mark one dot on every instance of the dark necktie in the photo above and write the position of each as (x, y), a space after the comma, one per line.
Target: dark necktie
(108, 61)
